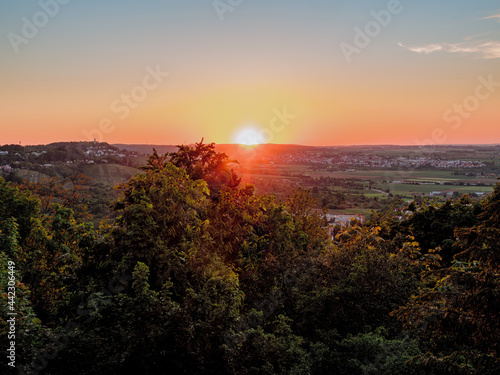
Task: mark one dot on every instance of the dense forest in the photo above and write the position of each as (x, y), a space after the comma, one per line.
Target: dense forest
(195, 274)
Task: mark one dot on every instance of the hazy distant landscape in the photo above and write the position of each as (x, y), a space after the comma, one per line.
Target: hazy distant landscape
(351, 179)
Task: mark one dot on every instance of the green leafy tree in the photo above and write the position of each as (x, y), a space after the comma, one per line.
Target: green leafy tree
(17, 211)
(202, 162)
(456, 312)
(188, 298)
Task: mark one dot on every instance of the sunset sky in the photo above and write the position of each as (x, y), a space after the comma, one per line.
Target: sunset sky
(312, 72)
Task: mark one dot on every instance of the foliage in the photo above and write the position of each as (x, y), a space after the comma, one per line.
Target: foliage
(194, 275)
(202, 162)
(456, 312)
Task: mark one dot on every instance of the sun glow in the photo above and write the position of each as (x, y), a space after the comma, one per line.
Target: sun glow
(248, 137)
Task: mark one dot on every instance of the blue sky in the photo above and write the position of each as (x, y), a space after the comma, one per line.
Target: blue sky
(287, 52)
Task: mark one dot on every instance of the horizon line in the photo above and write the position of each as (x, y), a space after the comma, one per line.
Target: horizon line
(264, 144)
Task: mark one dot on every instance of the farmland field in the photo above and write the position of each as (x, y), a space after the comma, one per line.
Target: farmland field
(110, 174)
(408, 189)
(32, 176)
(395, 175)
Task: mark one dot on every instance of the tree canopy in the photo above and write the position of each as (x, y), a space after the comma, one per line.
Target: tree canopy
(195, 275)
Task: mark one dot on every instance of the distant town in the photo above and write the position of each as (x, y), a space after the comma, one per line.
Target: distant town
(350, 181)
(374, 161)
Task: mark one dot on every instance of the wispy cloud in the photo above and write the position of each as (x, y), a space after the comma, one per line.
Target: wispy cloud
(485, 49)
(425, 49)
(497, 16)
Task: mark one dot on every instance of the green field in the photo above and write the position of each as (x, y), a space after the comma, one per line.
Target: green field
(373, 195)
(394, 175)
(392, 181)
(109, 174)
(353, 211)
(408, 189)
(31, 176)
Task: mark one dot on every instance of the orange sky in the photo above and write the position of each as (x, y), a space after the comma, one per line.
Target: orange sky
(73, 82)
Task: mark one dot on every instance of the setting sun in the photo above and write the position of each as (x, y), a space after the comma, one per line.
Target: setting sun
(248, 137)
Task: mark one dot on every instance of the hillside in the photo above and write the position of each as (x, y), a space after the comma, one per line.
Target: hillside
(109, 174)
(194, 275)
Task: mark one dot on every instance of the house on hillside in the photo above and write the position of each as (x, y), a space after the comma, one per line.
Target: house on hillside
(344, 220)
